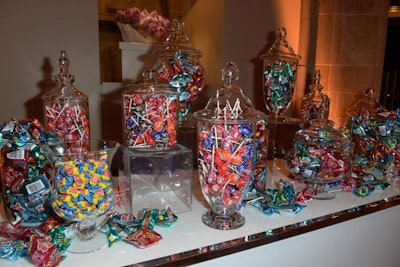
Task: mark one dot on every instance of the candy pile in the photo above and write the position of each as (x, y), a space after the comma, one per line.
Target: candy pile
(69, 119)
(26, 171)
(275, 200)
(226, 161)
(185, 74)
(150, 121)
(319, 153)
(82, 189)
(125, 226)
(47, 245)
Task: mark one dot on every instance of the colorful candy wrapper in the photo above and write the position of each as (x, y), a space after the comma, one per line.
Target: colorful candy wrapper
(10, 248)
(43, 252)
(144, 238)
(274, 200)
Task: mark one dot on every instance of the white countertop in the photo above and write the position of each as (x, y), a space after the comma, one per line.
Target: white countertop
(189, 234)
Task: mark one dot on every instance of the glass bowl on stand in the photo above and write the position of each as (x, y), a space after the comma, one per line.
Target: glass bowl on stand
(319, 157)
(83, 188)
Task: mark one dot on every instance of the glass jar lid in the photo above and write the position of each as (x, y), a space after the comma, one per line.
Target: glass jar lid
(177, 41)
(368, 105)
(149, 84)
(229, 105)
(281, 48)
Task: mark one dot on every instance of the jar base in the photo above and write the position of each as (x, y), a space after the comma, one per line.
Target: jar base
(223, 222)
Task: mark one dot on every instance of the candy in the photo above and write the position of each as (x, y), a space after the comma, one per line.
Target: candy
(26, 171)
(186, 75)
(44, 252)
(150, 120)
(90, 193)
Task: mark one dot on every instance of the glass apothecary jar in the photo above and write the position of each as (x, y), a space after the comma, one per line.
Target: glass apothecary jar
(319, 155)
(362, 129)
(178, 64)
(279, 76)
(227, 143)
(315, 105)
(66, 109)
(149, 114)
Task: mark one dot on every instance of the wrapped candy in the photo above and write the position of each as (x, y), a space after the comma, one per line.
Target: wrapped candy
(179, 65)
(280, 67)
(26, 171)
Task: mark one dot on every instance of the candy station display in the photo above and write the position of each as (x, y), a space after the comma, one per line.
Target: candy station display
(227, 148)
(58, 187)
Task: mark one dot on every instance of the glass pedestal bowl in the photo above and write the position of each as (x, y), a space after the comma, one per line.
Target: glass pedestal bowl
(83, 188)
(319, 171)
(319, 156)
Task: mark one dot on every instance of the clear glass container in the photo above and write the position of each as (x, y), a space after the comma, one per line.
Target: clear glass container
(149, 114)
(319, 155)
(279, 75)
(227, 141)
(66, 109)
(83, 187)
(178, 64)
(25, 172)
(315, 105)
(361, 129)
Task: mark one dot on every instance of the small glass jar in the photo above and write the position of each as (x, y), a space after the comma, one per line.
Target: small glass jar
(178, 64)
(149, 114)
(280, 67)
(227, 143)
(315, 105)
(320, 154)
(66, 109)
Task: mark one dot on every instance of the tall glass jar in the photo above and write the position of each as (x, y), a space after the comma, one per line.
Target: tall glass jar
(178, 64)
(227, 140)
(315, 105)
(149, 114)
(362, 131)
(280, 67)
(66, 109)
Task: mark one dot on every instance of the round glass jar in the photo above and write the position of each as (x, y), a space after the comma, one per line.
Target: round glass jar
(227, 143)
(178, 64)
(149, 114)
(66, 109)
(320, 154)
(279, 75)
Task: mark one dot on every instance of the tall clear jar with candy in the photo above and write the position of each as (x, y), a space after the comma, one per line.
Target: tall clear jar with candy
(279, 76)
(66, 109)
(315, 105)
(178, 64)
(227, 142)
(149, 114)
(362, 129)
